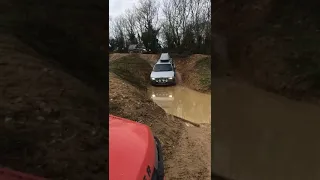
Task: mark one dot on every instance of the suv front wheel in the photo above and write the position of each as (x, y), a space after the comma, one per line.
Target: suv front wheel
(159, 172)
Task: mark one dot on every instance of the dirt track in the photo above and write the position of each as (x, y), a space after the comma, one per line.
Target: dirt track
(192, 157)
(187, 148)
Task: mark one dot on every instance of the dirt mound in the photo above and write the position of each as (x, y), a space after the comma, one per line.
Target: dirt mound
(196, 72)
(132, 69)
(127, 98)
(151, 58)
(115, 56)
(193, 71)
(51, 124)
(70, 32)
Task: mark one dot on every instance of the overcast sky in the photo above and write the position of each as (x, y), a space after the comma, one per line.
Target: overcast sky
(118, 7)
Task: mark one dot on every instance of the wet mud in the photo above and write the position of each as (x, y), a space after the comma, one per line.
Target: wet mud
(194, 146)
(183, 102)
(260, 135)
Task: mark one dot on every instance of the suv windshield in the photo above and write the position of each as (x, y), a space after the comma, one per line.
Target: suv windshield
(164, 60)
(162, 67)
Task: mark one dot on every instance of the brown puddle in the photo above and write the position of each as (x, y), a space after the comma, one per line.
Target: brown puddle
(183, 102)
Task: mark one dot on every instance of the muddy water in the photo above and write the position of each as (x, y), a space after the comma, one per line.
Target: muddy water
(183, 103)
(263, 136)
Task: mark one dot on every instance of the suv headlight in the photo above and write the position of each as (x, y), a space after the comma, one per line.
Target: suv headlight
(153, 78)
(170, 78)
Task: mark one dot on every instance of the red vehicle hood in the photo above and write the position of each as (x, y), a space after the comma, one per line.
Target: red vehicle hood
(8, 174)
(131, 149)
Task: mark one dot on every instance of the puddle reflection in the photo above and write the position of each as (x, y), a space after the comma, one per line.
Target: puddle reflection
(183, 103)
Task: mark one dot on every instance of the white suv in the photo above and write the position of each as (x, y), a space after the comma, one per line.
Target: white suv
(164, 71)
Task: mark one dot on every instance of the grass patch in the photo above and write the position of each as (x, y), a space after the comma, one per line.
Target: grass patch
(133, 69)
(203, 67)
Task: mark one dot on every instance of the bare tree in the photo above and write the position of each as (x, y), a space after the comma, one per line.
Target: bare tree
(140, 23)
(208, 32)
(130, 24)
(201, 22)
(118, 30)
(176, 14)
(185, 24)
(197, 6)
(147, 13)
(147, 18)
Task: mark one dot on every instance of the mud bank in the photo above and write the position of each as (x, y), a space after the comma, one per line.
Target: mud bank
(195, 72)
(185, 153)
(51, 123)
(127, 98)
(53, 116)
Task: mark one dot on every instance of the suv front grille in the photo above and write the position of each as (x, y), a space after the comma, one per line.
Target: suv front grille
(162, 80)
(162, 94)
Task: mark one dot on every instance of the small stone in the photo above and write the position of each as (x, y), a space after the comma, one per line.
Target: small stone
(7, 119)
(94, 132)
(277, 26)
(56, 122)
(47, 110)
(18, 100)
(40, 118)
(42, 105)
